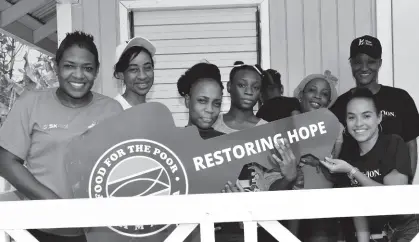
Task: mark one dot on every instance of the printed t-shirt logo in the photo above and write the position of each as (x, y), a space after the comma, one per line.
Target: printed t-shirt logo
(138, 167)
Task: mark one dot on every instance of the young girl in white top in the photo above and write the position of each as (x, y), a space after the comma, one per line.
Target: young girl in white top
(135, 67)
(244, 87)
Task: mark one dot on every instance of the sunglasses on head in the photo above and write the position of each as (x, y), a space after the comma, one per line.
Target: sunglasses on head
(254, 66)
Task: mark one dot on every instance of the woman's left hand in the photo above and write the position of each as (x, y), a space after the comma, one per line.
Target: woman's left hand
(336, 165)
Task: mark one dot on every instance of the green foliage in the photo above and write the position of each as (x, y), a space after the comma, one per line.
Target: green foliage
(38, 75)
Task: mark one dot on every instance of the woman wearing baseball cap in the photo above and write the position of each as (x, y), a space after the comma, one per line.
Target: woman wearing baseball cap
(135, 67)
(400, 115)
(397, 108)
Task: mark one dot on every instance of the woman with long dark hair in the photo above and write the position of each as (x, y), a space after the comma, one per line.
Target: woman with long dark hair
(377, 159)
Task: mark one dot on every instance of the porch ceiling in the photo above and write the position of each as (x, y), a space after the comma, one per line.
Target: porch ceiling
(33, 22)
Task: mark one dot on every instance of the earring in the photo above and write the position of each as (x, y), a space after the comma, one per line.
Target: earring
(380, 127)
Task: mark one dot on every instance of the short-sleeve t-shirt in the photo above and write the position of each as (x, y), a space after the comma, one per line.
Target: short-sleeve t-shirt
(400, 115)
(38, 129)
(220, 126)
(278, 108)
(390, 152)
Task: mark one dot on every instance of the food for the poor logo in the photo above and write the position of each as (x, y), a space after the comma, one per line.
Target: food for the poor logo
(138, 167)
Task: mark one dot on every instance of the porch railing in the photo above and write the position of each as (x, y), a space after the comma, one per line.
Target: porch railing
(263, 208)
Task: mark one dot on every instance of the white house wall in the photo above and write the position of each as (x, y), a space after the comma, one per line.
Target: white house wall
(307, 36)
(184, 37)
(310, 36)
(406, 46)
(100, 18)
(406, 50)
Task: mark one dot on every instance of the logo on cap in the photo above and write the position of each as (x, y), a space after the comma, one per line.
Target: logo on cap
(364, 42)
(138, 167)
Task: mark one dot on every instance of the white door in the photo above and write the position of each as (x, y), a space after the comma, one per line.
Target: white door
(186, 37)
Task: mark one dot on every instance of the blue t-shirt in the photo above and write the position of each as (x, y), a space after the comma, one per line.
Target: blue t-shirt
(38, 129)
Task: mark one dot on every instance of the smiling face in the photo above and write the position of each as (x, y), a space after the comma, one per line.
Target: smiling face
(76, 72)
(365, 69)
(362, 119)
(139, 76)
(204, 102)
(245, 89)
(316, 94)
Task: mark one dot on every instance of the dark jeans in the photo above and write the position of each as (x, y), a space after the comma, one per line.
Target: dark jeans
(318, 230)
(406, 231)
(46, 237)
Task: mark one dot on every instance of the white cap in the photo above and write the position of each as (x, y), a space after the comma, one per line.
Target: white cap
(136, 41)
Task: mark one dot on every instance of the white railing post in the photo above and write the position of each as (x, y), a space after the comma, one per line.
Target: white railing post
(21, 236)
(4, 237)
(207, 231)
(278, 231)
(181, 233)
(207, 209)
(250, 231)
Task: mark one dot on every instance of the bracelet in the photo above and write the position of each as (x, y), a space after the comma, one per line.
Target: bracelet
(352, 172)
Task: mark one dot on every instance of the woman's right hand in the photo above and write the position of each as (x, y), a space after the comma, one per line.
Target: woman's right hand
(229, 187)
(336, 165)
(287, 163)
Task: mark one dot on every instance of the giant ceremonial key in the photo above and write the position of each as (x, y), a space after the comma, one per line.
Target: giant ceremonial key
(141, 153)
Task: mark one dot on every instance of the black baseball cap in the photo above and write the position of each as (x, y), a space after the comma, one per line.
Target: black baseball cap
(368, 45)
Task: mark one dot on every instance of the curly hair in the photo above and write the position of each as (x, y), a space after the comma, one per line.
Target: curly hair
(80, 39)
(196, 72)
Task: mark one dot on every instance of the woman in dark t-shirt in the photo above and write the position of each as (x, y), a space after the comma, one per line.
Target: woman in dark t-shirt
(275, 106)
(376, 159)
(202, 89)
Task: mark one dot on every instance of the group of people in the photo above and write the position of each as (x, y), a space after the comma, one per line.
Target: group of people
(376, 145)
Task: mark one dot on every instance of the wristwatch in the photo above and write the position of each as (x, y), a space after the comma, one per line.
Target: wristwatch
(352, 172)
